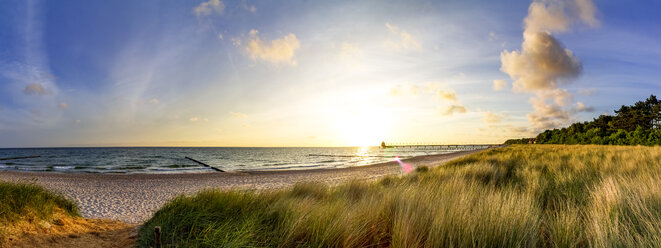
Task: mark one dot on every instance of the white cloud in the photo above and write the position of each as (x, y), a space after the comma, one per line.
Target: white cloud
(406, 41)
(220, 36)
(154, 101)
(561, 97)
(206, 8)
(543, 63)
(499, 85)
(559, 15)
(547, 115)
(276, 51)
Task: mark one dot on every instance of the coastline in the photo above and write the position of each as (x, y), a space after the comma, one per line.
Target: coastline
(133, 198)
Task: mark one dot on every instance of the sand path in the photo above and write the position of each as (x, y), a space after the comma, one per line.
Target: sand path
(132, 198)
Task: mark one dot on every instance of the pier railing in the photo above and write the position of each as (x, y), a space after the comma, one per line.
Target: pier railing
(422, 146)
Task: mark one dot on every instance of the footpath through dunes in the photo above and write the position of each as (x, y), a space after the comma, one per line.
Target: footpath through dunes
(132, 198)
(75, 232)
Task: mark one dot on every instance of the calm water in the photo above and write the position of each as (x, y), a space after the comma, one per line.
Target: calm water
(171, 159)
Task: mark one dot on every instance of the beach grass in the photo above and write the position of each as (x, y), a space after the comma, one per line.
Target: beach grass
(25, 205)
(517, 196)
(31, 202)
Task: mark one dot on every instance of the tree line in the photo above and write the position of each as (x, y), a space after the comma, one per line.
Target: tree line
(638, 124)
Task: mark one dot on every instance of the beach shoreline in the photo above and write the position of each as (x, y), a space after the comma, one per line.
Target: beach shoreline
(133, 198)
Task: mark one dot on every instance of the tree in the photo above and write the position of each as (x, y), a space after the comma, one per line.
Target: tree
(638, 124)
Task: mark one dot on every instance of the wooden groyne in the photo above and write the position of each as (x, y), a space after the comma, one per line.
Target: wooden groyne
(203, 164)
(12, 158)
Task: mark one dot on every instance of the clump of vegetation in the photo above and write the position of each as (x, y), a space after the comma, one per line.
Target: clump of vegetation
(531, 196)
(31, 202)
(23, 206)
(519, 141)
(639, 124)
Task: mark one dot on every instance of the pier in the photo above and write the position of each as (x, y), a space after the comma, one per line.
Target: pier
(421, 146)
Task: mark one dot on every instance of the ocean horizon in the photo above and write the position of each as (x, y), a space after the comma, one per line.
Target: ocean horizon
(173, 159)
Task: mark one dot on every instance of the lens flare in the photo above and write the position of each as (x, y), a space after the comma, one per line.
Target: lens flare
(405, 167)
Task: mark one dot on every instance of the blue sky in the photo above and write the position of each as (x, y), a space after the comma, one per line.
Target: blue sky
(307, 73)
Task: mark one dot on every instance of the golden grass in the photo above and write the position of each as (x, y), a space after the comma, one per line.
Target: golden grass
(518, 196)
(31, 216)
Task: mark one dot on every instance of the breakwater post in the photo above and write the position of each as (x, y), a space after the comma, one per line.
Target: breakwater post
(214, 168)
(157, 237)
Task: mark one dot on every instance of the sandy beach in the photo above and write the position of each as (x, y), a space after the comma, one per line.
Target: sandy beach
(132, 198)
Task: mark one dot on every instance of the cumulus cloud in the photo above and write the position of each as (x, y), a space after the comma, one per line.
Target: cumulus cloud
(36, 89)
(543, 64)
(559, 15)
(193, 119)
(452, 109)
(206, 8)
(154, 101)
(449, 95)
(547, 114)
(276, 51)
(238, 115)
(63, 105)
(561, 97)
(499, 85)
(406, 41)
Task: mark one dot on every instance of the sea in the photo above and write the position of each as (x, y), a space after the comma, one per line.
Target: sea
(173, 159)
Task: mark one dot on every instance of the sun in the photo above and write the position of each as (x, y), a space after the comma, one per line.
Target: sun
(361, 127)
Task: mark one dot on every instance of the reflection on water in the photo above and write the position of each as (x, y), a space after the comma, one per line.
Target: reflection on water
(171, 159)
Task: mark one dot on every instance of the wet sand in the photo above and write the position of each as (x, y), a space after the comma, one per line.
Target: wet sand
(133, 198)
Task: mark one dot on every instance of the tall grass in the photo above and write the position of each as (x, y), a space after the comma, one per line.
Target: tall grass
(25, 206)
(31, 202)
(518, 196)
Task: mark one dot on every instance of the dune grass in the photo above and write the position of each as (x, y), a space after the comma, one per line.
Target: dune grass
(29, 204)
(517, 196)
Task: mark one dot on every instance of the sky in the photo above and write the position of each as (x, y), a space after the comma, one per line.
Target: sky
(317, 73)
